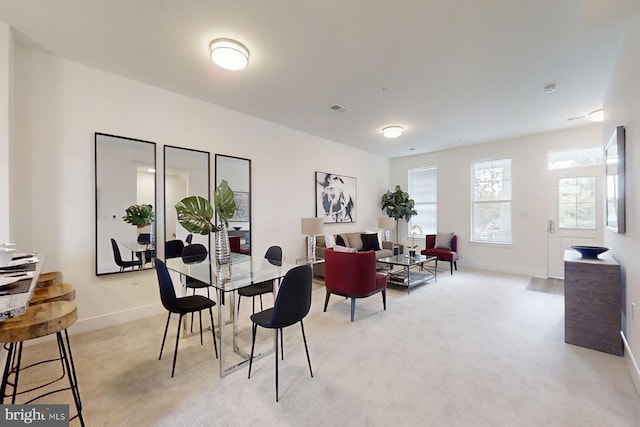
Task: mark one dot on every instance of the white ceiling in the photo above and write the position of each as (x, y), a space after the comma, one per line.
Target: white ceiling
(452, 72)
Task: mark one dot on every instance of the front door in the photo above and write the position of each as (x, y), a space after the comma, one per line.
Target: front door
(575, 213)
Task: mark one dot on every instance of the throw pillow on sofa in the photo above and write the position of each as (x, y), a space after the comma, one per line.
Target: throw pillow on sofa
(339, 248)
(329, 241)
(370, 242)
(443, 241)
(340, 241)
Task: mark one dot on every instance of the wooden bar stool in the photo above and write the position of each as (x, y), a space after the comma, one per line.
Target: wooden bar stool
(38, 321)
(48, 279)
(57, 292)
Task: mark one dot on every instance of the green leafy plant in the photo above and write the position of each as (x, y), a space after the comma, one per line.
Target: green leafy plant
(195, 213)
(398, 205)
(139, 215)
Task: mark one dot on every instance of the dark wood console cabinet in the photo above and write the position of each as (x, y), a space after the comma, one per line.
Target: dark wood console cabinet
(593, 302)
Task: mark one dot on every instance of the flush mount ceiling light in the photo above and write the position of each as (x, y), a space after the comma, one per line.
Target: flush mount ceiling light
(596, 116)
(550, 88)
(392, 131)
(229, 54)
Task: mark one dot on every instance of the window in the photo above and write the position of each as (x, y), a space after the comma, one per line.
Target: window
(574, 158)
(491, 201)
(423, 189)
(577, 203)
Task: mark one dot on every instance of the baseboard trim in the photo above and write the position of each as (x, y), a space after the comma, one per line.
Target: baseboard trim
(117, 318)
(634, 370)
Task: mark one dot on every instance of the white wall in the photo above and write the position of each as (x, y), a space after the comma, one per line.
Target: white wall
(622, 107)
(60, 104)
(527, 254)
(6, 63)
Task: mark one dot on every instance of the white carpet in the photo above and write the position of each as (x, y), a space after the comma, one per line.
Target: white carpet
(473, 349)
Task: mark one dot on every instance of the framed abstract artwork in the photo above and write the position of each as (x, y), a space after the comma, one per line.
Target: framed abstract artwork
(242, 206)
(615, 188)
(335, 198)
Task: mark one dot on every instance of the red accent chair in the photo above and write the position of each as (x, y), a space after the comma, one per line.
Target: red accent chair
(442, 254)
(234, 244)
(353, 275)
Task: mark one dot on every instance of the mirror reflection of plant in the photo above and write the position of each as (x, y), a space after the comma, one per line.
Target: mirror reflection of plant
(195, 213)
(139, 215)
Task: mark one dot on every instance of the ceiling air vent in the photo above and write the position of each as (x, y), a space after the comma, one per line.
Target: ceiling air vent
(338, 108)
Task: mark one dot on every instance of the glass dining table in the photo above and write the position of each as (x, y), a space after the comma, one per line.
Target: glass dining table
(242, 271)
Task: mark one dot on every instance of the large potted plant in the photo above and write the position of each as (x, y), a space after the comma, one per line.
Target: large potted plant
(141, 216)
(195, 214)
(398, 205)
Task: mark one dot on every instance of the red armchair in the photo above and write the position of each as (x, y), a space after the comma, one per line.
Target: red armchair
(353, 275)
(442, 254)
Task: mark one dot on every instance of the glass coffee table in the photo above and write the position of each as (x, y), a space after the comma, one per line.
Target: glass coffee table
(400, 272)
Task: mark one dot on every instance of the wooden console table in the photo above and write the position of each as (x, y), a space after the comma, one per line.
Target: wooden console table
(593, 302)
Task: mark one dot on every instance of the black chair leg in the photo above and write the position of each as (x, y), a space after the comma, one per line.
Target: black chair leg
(261, 302)
(175, 352)
(200, 317)
(166, 328)
(253, 304)
(353, 308)
(326, 301)
(455, 264)
(451, 266)
(253, 344)
(213, 332)
(384, 299)
(281, 345)
(304, 338)
(276, 337)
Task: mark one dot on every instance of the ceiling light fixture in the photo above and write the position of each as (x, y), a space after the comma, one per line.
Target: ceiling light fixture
(229, 54)
(550, 88)
(596, 116)
(392, 131)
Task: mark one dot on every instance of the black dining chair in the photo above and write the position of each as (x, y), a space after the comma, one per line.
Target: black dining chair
(147, 255)
(189, 238)
(274, 256)
(181, 306)
(118, 258)
(173, 248)
(291, 306)
(193, 254)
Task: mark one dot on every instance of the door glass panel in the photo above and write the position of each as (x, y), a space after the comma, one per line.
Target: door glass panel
(577, 202)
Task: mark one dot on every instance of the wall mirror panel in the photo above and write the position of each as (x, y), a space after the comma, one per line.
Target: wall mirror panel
(125, 175)
(237, 172)
(186, 173)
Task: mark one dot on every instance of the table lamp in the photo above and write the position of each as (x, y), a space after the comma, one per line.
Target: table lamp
(311, 227)
(386, 223)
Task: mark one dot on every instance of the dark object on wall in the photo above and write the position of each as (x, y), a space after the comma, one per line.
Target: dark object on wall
(335, 198)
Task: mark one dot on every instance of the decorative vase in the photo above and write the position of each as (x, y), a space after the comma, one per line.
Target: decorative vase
(412, 253)
(223, 250)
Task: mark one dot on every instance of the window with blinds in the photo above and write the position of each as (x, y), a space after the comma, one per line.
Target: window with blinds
(491, 201)
(423, 189)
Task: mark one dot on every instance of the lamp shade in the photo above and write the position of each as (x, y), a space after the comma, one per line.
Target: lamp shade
(311, 226)
(386, 222)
